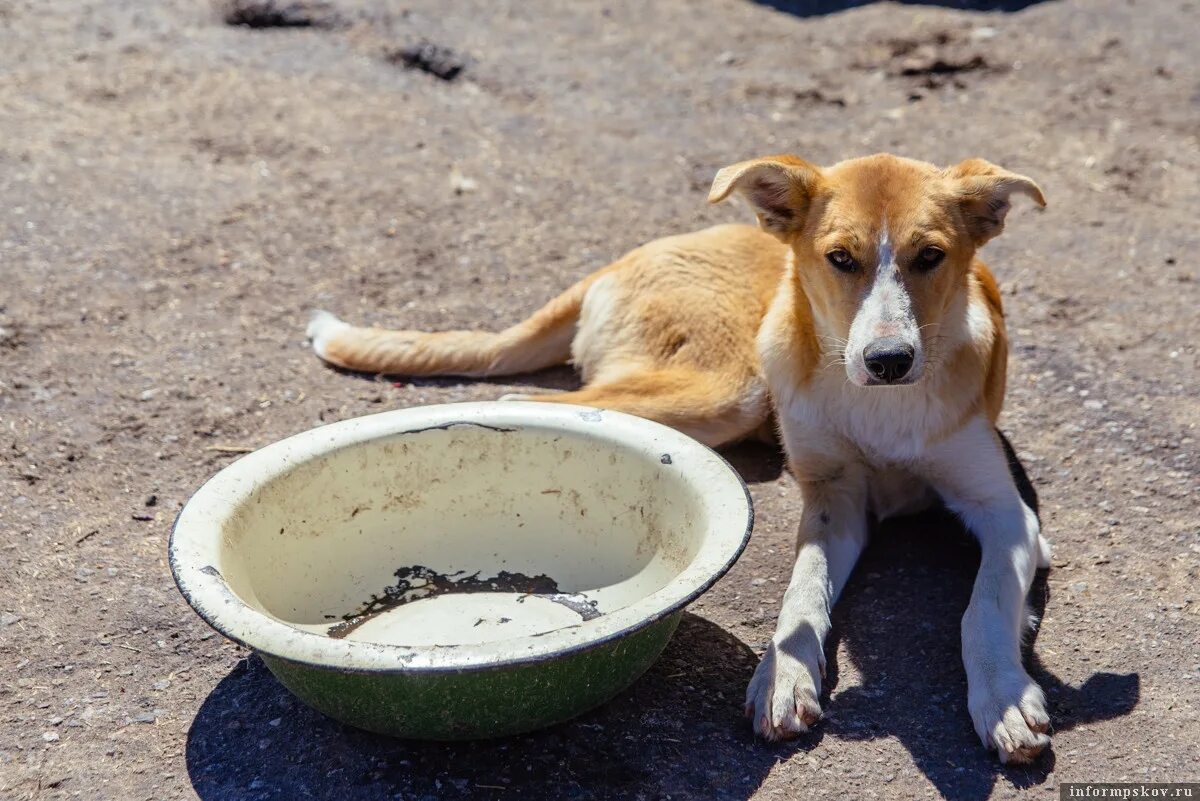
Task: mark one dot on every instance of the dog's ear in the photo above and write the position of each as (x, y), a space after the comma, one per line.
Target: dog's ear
(985, 191)
(778, 188)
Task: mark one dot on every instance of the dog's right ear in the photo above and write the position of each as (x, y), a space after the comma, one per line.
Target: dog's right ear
(779, 189)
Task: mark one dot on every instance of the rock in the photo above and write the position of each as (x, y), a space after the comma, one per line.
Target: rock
(50, 736)
(436, 60)
(461, 184)
(8, 619)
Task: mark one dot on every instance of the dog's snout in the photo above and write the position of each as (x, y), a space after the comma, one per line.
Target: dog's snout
(888, 359)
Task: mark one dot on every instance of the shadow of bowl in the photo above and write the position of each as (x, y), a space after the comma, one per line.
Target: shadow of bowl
(678, 731)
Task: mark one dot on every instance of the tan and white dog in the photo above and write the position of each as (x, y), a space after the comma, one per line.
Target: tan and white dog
(858, 311)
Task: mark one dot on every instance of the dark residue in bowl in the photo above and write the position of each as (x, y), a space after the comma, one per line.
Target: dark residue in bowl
(418, 582)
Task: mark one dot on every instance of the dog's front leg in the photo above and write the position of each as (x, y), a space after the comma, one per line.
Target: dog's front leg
(1007, 707)
(782, 699)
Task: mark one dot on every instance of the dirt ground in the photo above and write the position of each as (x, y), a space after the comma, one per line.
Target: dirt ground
(178, 192)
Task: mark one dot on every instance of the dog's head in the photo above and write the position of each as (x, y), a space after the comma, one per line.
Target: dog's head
(883, 246)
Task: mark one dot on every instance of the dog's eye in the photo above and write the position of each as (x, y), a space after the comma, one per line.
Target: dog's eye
(929, 258)
(841, 260)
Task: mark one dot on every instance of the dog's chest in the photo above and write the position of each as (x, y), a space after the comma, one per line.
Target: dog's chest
(888, 426)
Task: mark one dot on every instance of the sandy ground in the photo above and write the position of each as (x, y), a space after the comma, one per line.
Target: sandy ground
(178, 192)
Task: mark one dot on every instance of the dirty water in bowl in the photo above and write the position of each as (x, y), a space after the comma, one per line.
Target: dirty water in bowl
(426, 606)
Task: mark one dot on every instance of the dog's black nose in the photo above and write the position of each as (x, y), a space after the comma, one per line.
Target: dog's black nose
(888, 359)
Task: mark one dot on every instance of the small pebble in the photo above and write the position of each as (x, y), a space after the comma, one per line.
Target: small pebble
(50, 736)
(461, 184)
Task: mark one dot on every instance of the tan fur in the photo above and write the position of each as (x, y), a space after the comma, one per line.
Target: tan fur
(842, 207)
(668, 330)
(834, 298)
(665, 332)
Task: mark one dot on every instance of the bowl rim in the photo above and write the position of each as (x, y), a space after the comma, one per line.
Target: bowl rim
(195, 538)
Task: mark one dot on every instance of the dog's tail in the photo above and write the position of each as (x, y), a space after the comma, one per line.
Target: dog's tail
(542, 340)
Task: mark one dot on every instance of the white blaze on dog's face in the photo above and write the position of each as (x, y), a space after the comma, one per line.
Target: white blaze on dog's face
(884, 343)
(883, 248)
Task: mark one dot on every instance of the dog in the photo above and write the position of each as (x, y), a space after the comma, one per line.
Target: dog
(858, 315)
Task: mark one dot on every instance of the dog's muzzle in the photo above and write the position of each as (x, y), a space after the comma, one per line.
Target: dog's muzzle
(889, 359)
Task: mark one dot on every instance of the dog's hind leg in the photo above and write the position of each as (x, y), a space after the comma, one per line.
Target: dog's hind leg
(712, 408)
(543, 340)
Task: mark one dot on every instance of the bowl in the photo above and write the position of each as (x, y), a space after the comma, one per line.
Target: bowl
(461, 571)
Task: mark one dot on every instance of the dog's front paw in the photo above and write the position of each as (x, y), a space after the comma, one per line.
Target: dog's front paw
(782, 697)
(1010, 716)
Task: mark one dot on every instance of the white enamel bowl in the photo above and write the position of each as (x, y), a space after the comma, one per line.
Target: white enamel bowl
(464, 570)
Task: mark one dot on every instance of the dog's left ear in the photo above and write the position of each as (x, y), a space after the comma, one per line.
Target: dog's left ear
(778, 188)
(985, 193)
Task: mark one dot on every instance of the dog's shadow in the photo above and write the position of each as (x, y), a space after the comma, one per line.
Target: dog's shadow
(677, 733)
(562, 378)
(898, 619)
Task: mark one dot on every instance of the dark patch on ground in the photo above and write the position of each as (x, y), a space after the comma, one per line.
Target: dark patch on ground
(436, 60)
(820, 8)
(279, 13)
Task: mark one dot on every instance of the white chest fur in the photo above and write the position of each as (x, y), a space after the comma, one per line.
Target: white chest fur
(885, 426)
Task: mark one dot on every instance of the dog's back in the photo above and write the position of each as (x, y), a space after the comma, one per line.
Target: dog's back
(665, 332)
